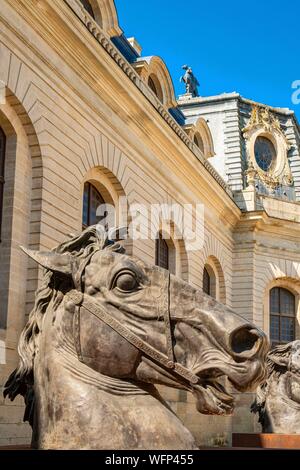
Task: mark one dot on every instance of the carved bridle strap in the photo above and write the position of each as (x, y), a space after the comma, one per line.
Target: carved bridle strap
(81, 300)
(168, 327)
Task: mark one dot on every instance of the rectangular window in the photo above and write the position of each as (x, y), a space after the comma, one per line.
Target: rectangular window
(206, 282)
(274, 328)
(92, 200)
(282, 316)
(287, 329)
(274, 301)
(162, 253)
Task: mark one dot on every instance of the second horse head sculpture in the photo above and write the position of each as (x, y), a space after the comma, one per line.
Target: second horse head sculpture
(278, 398)
(104, 330)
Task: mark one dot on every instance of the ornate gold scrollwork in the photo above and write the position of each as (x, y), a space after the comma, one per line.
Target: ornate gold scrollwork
(263, 123)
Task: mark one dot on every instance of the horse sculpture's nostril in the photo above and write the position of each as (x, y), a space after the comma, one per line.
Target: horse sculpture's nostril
(245, 341)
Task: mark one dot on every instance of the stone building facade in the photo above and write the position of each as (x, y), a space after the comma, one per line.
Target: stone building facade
(83, 118)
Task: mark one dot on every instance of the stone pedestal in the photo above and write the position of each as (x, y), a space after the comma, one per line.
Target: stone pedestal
(266, 441)
(185, 97)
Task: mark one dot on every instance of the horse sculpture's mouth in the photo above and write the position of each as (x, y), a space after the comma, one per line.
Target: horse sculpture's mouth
(214, 396)
(214, 392)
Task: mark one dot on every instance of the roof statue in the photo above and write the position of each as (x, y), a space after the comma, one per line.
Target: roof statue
(191, 82)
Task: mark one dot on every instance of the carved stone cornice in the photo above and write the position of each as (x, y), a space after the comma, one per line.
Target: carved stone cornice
(107, 44)
(108, 14)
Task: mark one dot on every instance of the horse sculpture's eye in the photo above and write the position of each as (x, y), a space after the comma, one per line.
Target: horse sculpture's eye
(126, 282)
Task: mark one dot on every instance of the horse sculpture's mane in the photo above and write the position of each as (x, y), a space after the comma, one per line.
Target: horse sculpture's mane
(53, 288)
(277, 363)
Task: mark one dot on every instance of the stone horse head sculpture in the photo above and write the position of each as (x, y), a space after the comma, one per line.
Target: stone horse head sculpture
(278, 399)
(104, 329)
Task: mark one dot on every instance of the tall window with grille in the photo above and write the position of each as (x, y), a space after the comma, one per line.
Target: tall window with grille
(2, 169)
(282, 316)
(162, 253)
(206, 282)
(92, 199)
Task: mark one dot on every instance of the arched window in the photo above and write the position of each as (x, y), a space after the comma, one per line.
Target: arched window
(88, 7)
(152, 85)
(155, 86)
(282, 316)
(210, 283)
(265, 153)
(162, 253)
(199, 142)
(2, 169)
(206, 282)
(92, 199)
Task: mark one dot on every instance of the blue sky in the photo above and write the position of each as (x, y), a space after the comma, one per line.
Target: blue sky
(249, 47)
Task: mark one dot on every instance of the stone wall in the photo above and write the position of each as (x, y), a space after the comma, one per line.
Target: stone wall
(13, 432)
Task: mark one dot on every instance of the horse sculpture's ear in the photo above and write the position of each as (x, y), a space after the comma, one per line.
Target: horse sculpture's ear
(59, 263)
